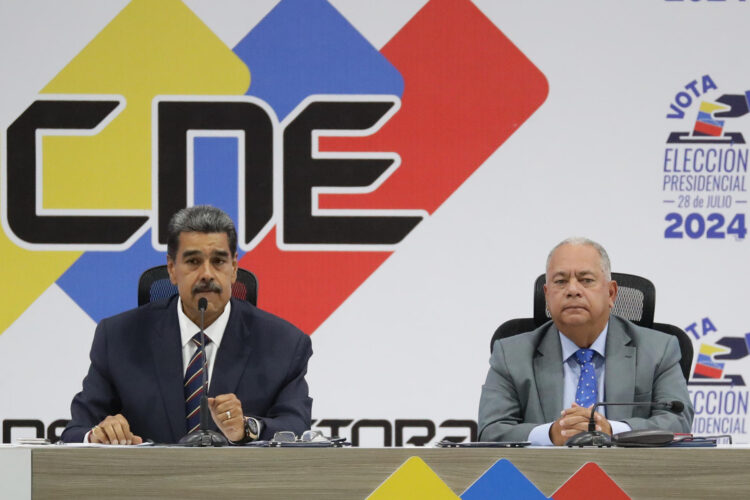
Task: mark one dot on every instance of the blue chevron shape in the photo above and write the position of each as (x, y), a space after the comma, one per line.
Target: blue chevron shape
(305, 47)
(502, 481)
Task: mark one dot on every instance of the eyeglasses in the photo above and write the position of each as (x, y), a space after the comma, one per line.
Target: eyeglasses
(284, 437)
(309, 436)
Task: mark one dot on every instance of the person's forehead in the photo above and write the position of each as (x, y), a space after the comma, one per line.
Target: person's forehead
(575, 258)
(203, 242)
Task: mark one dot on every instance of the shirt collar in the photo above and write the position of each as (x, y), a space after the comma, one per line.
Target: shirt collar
(215, 331)
(569, 347)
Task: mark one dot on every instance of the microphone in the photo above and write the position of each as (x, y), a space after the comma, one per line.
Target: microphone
(203, 436)
(674, 406)
(592, 437)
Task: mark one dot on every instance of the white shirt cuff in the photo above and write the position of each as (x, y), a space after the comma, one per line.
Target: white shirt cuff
(539, 435)
(618, 427)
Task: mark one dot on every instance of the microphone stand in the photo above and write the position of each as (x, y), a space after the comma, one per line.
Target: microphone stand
(203, 436)
(592, 437)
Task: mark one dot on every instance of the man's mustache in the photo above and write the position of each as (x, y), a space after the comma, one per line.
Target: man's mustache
(207, 286)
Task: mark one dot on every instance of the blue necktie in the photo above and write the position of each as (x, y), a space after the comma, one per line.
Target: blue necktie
(194, 385)
(586, 391)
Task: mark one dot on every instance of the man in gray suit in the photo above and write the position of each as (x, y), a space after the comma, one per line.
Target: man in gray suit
(541, 385)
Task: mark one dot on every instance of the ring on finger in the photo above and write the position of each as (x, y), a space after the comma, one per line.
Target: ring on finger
(229, 415)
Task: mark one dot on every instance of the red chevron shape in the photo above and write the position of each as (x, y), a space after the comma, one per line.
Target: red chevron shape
(590, 481)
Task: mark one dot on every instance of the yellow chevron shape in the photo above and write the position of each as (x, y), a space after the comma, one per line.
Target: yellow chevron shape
(150, 48)
(26, 275)
(710, 350)
(414, 480)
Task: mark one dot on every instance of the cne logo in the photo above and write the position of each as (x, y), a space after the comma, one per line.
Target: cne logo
(325, 151)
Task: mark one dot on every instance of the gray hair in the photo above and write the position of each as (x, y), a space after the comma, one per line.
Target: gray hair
(200, 219)
(577, 240)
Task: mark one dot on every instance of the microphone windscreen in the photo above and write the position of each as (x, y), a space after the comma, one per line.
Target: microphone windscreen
(677, 406)
(203, 304)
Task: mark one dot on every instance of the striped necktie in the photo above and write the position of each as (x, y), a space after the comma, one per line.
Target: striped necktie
(586, 391)
(194, 385)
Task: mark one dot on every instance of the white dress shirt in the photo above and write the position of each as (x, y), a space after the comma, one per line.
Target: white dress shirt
(215, 332)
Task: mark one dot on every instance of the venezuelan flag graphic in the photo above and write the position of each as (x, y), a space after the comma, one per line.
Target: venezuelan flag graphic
(706, 367)
(705, 124)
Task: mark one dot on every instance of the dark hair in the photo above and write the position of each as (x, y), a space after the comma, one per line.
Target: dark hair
(200, 219)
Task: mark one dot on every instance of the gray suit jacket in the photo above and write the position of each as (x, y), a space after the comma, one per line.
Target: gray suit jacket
(524, 386)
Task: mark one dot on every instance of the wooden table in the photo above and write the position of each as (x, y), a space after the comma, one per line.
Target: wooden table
(274, 473)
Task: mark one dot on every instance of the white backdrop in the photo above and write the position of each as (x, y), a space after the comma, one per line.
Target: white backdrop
(412, 342)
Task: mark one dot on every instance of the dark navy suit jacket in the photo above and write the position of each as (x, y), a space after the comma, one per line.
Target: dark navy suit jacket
(137, 370)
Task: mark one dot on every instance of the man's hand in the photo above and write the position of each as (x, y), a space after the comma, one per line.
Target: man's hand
(575, 420)
(113, 430)
(226, 410)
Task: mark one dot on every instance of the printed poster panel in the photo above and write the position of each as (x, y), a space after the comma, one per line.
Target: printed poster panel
(397, 171)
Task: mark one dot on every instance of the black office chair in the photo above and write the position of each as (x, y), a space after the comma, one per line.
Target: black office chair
(636, 300)
(154, 285)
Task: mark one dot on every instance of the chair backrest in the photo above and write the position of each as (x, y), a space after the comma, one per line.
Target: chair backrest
(686, 345)
(636, 301)
(154, 285)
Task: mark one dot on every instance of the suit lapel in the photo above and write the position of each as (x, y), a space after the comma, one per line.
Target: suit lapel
(619, 378)
(167, 354)
(548, 374)
(232, 356)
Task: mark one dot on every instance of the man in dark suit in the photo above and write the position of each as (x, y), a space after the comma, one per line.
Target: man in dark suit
(541, 385)
(135, 387)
